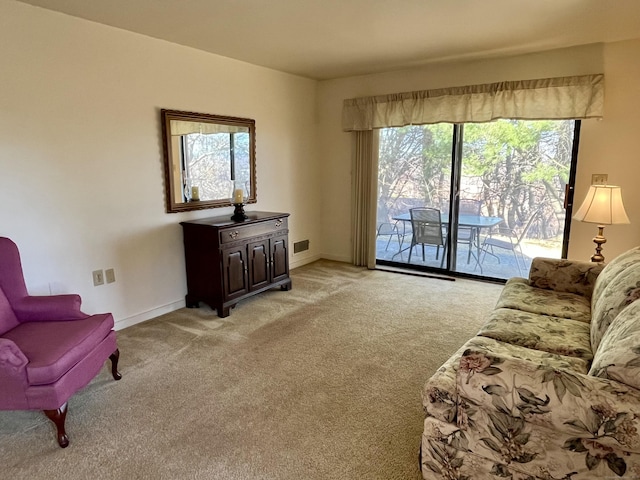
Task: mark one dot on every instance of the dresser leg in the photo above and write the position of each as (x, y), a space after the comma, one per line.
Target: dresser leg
(190, 302)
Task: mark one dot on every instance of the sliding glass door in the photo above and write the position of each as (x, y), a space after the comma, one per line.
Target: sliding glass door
(414, 171)
(477, 199)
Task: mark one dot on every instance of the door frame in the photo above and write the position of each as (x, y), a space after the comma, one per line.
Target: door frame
(454, 203)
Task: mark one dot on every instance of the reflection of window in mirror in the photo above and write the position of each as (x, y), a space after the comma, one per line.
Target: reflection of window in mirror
(213, 160)
(207, 157)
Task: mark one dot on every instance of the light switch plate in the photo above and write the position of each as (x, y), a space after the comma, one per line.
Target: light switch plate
(599, 179)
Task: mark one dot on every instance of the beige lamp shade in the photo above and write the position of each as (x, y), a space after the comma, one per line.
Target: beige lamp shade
(602, 205)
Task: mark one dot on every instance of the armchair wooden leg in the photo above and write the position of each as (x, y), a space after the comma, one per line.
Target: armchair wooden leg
(58, 417)
(114, 357)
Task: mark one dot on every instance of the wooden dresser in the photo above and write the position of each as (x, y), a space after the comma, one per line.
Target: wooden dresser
(228, 261)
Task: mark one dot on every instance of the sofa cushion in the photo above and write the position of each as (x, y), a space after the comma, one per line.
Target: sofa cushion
(439, 393)
(561, 336)
(616, 287)
(518, 294)
(8, 319)
(570, 276)
(611, 270)
(54, 347)
(618, 356)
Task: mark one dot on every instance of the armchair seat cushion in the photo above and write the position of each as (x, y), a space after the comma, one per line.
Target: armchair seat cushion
(520, 295)
(561, 336)
(54, 347)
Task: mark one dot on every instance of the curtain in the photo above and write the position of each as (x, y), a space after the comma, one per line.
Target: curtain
(543, 99)
(561, 98)
(364, 198)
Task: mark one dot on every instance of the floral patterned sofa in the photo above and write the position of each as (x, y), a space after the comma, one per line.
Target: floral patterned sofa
(549, 389)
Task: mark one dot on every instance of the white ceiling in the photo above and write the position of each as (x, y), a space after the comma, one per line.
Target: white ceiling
(325, 39)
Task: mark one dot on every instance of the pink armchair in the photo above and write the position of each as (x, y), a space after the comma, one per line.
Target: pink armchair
(49, 349)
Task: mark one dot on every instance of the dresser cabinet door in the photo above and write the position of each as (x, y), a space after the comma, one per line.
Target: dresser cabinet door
(259, 264)
(279, 258)
(234, 267)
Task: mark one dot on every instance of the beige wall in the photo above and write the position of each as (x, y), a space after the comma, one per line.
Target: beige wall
(611, 146)
(81, 179)
(607, 146)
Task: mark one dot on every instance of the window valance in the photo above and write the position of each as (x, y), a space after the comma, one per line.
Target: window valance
(560, 98)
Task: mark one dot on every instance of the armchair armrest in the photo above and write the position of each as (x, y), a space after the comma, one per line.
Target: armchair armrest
(13, 376)
(589, 414)
(50, 307)
(12, 360)
(569, 276)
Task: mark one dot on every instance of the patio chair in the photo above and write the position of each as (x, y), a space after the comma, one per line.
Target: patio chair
(389, 229)
(468, 235)
(49, 349)
(426, 224)
(508, 240)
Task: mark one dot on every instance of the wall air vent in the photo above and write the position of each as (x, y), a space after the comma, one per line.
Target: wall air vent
(301, 246)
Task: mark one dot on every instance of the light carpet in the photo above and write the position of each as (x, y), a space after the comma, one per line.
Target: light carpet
(321, 382)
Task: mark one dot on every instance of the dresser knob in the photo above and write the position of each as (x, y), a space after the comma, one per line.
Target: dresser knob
(233, 234)
(278, 223)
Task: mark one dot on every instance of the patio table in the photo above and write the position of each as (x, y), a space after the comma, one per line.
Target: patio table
(475, 222)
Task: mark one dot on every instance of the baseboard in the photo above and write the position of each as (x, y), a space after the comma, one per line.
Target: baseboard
(148, 315)
(337, 258)
(170, 307)
(300, 260)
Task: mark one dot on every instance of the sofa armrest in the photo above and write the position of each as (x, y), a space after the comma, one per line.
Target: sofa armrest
(569, 276)
(50, 307)
(588, 414)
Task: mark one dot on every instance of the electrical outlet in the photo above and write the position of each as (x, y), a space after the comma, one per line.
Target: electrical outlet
(110, 275)
(599, 179)
(98, 277)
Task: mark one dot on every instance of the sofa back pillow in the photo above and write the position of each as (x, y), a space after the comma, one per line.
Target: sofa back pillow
(618, 356)
(569, 276)
(617, 286)
(8, 319)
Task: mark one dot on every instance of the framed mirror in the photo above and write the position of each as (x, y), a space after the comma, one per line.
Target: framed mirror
(207, 159)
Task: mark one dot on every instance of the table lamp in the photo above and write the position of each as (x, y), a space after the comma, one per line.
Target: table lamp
(603, 206)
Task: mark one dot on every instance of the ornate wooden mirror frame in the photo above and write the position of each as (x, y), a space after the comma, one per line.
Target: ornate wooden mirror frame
(206, 158)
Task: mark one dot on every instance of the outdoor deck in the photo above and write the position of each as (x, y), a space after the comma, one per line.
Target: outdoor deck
(502, 265)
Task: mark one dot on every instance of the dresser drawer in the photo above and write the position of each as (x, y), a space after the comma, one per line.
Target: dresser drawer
(243, 232)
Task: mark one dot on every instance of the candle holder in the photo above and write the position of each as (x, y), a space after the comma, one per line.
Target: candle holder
(238, 213)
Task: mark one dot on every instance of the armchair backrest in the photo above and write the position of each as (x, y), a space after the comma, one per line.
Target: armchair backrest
(11, 276)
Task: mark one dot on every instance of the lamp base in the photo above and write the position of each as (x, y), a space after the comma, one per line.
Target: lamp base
(599, 240)
(238, 213)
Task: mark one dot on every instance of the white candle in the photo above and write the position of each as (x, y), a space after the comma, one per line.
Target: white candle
(195, 193)
(237, 195)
